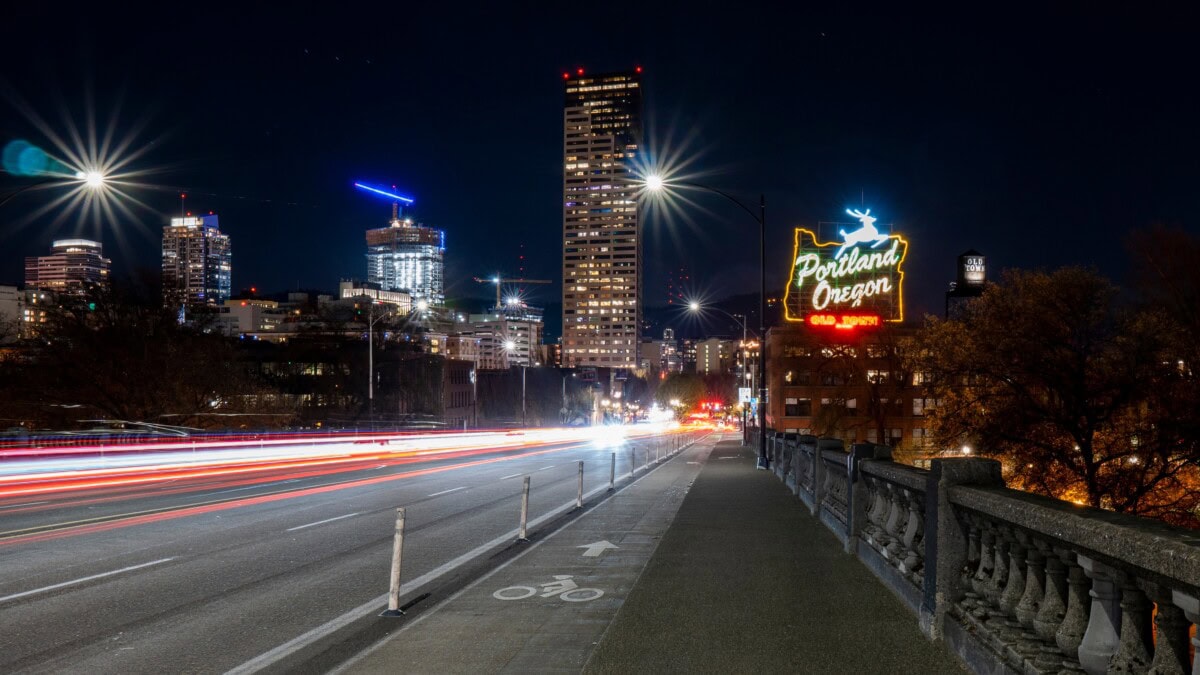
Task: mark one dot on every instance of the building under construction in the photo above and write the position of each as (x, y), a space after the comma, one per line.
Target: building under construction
(410, 257)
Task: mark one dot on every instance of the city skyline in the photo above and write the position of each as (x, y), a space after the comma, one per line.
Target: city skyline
(831, 118)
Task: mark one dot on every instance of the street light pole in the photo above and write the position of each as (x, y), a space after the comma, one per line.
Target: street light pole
(658, 183)
(763, 461)
(371, 320)
(371, 362)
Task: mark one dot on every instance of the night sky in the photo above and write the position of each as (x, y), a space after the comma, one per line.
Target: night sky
(1040, 139)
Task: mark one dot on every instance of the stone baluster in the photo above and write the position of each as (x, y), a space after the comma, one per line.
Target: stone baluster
(974, 529)
(1014, 587)
(818, 481)
(913, 561)
(1053, 606)
(1101, 640)
(875, 512)
(1137, 636)
(995, 586)
(987, 557)
(1190, 604)
(1070, 632)
(1171, 633)
(1035, 586)
(897, 518)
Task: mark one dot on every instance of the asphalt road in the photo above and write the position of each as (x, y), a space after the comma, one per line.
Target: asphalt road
(283, 569)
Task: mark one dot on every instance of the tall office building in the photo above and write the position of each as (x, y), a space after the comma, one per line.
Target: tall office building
(197, 265)
(72, 267)
(410, 257)
(602, 243)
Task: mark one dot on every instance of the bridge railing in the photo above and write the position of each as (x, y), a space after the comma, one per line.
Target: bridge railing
(1011, 581)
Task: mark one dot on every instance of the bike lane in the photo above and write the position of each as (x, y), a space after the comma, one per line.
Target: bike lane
(547, 609)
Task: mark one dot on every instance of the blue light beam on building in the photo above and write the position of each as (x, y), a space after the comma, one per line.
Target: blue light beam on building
(385, 193)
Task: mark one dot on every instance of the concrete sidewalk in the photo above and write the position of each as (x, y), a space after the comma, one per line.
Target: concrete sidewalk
(746, 581)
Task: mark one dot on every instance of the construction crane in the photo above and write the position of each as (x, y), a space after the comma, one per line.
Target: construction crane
(502, 280)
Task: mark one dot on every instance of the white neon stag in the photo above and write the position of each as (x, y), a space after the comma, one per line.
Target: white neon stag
(867, 233)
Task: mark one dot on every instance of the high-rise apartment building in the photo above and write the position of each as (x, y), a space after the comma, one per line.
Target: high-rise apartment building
(410, 257)
(197, 265)
(602, 242)
(72, 267)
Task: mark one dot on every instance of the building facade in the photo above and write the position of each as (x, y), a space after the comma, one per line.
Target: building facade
(73, 266)
(602, 241)
(501, 341)
(197, 263)
(409, 257)
(399, 302)
(10, 314)
(715, 356)
(849, 385)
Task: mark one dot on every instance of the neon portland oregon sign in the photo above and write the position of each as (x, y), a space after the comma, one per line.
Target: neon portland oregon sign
(857, 282)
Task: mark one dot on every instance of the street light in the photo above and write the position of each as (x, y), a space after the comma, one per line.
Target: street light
(657, 184)
(92, 181)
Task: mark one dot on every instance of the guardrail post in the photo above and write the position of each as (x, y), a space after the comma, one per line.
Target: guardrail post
(524, 511)
(612, 473)
(397, 552)
(945, 537)
(579, 496)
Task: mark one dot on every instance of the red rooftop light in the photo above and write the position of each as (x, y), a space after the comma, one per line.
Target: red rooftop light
(580, 71)
(639, 69)
(566, 76)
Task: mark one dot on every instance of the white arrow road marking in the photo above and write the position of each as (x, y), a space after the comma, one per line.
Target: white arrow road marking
(595, 549)
(64, 584)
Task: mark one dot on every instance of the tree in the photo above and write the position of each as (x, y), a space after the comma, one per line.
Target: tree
(686, 388)
(112, 355)
(1051, 374)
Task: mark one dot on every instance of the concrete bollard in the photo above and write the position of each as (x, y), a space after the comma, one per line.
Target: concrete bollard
(397, 552)
(612, 473)
(579, 496)
(524, 511)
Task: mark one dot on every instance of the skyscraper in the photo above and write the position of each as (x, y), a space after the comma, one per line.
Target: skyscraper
(197, 265)
(602, 243)
(407, 256)
(72, 267)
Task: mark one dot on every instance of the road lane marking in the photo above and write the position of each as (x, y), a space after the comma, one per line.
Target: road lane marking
(260, 485)
(511, 476)
(446, 492)
(546, 467)
(322, 522)
(13, 506)
(64, 584)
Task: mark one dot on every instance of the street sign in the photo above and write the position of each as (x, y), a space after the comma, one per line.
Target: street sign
(743, 394)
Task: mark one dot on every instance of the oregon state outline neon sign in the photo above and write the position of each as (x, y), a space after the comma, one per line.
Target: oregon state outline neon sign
(856, 282)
